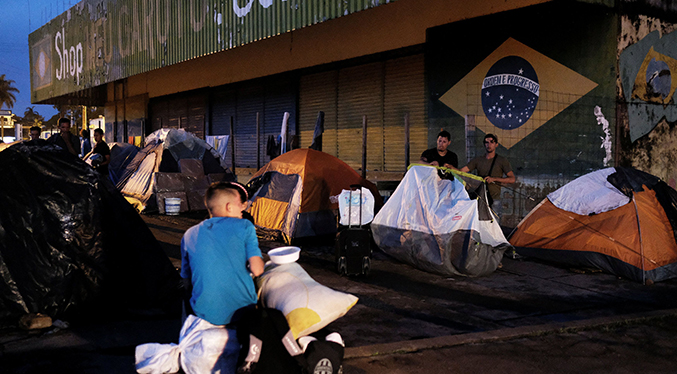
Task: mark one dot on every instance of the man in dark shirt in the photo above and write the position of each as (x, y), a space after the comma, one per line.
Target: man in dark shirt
(102, 149)
(441, 156)
(65, 139)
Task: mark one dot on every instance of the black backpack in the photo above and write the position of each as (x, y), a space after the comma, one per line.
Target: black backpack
(268, 346)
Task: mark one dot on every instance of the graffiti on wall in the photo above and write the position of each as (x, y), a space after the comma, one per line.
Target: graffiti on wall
(515, 90)
(648, 87)
(606, 140)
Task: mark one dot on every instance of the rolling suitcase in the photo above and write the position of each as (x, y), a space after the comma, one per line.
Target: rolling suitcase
(353, 244)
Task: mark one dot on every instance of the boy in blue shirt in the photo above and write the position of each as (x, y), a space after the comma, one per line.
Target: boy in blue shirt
(215, 254)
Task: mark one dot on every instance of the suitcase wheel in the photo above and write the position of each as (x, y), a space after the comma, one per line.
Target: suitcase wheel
(342, 267)
(366, 265)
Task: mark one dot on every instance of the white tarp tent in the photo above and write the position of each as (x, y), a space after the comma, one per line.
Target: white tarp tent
(432, 224)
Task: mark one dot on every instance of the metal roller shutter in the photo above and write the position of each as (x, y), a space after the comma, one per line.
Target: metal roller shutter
(404, 93)
(280, 97)
(318, 92)
(384, 92)
(249, 101)
(360, 93)
(196, 110)
(270, 98)
(223, 106)
(176, 113)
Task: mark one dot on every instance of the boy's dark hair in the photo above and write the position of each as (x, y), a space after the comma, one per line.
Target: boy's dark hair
(444, 134)
(220, 187)
(35, 128)
(62, 120)
(98, 131)
(242, 190)
(492, 136)
(84, 133)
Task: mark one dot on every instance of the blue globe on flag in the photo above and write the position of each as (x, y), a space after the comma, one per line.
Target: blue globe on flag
(510, 92)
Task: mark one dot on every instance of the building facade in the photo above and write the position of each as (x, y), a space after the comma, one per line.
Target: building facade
(568, 86)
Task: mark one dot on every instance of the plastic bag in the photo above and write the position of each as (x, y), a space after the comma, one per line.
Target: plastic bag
(349, 206)
(202, 348)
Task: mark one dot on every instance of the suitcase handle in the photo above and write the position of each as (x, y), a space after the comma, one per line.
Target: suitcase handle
(350, 205)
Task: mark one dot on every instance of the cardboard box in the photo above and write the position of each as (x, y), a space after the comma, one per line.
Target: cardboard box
(196, 199)
(191, 183)
(169, 182)
(191, 167)
(220, 177)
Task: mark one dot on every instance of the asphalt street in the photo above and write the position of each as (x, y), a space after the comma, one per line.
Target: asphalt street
(528, 316)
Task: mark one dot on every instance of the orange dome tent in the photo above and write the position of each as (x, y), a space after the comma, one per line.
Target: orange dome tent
(620, 220)
(291, 194)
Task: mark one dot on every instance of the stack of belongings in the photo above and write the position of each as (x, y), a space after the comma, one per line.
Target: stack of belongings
(70, 245)
(620, 220)
(174, 163)
(432, 223)
(287, 333)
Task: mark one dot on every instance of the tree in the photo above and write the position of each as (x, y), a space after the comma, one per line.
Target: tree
(74, 112)
(7, 92)
(32, 117)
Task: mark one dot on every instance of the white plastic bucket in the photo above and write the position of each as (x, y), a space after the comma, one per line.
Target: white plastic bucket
(172, 206)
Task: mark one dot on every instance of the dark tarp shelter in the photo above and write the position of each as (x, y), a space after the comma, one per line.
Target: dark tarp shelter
(70, 243)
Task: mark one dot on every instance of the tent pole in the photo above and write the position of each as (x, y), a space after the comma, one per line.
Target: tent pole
(641, 245)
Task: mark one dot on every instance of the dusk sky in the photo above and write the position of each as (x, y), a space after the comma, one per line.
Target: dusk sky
(20, 18)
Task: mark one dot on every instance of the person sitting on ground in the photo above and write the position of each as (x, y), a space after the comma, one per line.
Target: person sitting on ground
(86, 145)
(441, 156)
(214, 255)
(65, 139)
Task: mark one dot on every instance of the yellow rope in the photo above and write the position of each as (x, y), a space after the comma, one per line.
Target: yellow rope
(456, 173)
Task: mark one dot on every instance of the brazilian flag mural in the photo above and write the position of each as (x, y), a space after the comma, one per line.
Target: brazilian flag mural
(533, 77)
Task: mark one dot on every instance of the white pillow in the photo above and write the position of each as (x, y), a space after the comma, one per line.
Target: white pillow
(307, 305)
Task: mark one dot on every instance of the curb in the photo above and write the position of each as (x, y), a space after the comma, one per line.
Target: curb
(497, 335)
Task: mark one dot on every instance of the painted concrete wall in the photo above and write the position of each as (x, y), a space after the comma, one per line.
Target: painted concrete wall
(543, 79)
(647, 58)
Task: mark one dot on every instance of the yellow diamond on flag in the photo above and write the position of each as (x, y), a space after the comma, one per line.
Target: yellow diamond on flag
(654, 81)
(515, 90)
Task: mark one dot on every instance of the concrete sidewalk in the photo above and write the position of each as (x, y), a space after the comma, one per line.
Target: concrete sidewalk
(400, 305)
(405, 321)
